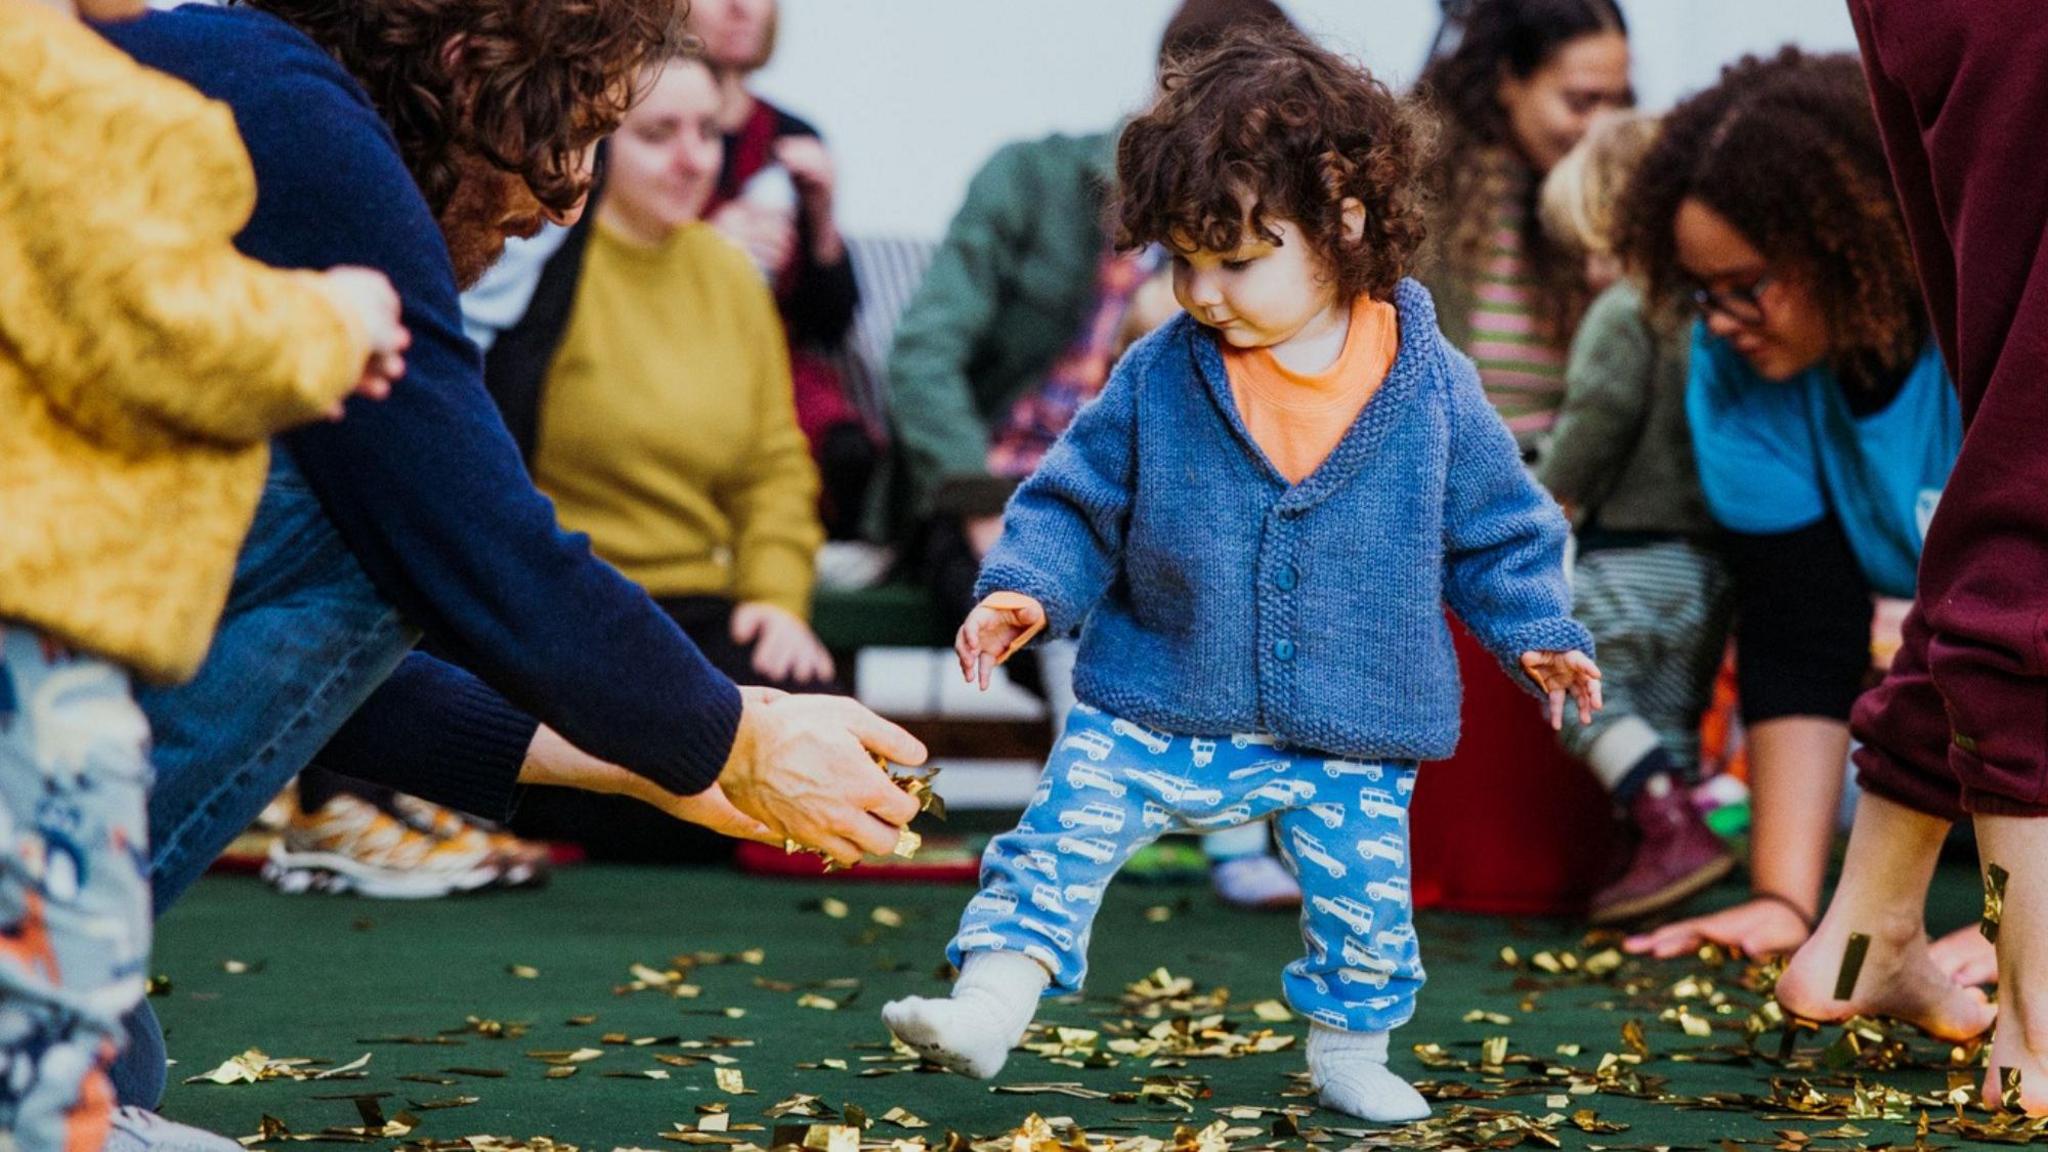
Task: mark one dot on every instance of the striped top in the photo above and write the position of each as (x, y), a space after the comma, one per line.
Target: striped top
(1522, 372)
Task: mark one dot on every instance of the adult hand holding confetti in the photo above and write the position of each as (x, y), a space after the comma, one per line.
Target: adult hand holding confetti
(804, 766)
(1557, 673)
(1001, 624)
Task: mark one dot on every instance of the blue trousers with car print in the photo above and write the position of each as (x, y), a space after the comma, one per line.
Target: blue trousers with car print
(74, 887)
(1112, 787)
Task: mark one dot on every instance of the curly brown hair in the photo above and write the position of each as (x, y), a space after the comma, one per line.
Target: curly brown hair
(1270, 118)
(1787, 151)
(526, 85)
(1481, 170)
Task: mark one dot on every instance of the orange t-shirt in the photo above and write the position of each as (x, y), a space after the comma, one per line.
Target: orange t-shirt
(1297, 419)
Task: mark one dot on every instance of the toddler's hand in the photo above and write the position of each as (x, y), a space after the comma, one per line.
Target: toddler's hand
(1557, 673)
(365, 294)
(1002, 623)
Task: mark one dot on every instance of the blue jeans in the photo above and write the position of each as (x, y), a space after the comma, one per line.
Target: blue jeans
(304, 641)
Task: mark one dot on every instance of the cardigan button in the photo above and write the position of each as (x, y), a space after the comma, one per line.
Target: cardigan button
(1283, 650)
(1286, 578)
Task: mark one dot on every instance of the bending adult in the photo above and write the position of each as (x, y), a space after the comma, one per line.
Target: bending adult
(421, 514)
(775, 195)
(1524, 83)
(1822, 419)
(1955, 729)
(657, 412)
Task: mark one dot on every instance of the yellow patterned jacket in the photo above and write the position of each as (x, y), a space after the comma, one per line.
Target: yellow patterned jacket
(144, 363)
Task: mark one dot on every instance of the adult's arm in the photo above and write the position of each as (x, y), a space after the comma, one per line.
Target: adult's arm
(942, 434)
(427, 488)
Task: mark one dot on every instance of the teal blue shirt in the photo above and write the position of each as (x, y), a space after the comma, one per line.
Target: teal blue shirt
(1776, 456)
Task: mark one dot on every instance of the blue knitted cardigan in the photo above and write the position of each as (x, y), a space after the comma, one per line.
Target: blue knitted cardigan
(1214, 597)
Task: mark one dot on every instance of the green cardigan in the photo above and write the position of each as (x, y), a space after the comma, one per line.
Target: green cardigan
(1005, 295)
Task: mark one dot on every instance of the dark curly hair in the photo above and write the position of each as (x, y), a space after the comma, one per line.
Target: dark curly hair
(526, 85)
(1269, 116)
(1787, 151)
(1481, 167)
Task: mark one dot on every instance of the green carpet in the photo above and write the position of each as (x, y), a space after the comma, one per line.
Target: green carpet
(333, 978)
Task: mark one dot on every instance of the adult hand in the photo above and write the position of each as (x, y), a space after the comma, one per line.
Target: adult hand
(982, 533)
(810, 167)
(998, 624)
(804, 766)
(1757, 928)
(1966, 956)
(552, 760)
(1558, 673)
(368, 298)
(785, 648)
(767, 234)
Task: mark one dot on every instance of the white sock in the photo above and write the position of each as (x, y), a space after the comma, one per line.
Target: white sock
(973, 1030)
(1350, 1070)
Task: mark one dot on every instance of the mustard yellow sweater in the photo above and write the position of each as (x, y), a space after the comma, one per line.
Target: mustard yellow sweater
(143, 362)
(668, 425)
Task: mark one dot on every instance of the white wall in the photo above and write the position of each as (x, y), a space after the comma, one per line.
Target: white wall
(914, 94)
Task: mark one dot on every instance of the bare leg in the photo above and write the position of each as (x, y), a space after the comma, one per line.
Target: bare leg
(1797, 764)
(1883, 895)
(2020, 845)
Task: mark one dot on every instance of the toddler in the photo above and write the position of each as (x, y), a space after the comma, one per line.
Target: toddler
(144, 363)
(1256, 528)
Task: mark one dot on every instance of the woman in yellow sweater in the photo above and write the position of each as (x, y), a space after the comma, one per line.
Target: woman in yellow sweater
(144, 364)
(667, 424)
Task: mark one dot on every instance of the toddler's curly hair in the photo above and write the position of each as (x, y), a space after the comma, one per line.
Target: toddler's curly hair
(1270, 121)
(1786, 149)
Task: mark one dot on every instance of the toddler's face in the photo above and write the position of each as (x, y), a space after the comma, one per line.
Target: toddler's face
(1259, 295)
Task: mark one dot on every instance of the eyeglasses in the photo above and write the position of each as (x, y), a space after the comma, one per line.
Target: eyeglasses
(1743, 305)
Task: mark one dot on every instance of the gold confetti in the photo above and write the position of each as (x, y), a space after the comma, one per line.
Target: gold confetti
(730, 1081)
(836, 909)
(1272, 1012)
(813, 1000)
(1994, 901)
(907, 844)
(887, 917)
(524, 971)
(1852, 965)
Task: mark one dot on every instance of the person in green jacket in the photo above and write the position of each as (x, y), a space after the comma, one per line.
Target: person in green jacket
(1014, 327)
(1650, 580)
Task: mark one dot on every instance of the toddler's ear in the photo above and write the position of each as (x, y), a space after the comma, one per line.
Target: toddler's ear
(1354, 219)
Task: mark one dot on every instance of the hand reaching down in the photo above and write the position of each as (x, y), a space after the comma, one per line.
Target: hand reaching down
(1559, 673)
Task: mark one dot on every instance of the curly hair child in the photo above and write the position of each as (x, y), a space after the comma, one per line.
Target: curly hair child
(1255, 529)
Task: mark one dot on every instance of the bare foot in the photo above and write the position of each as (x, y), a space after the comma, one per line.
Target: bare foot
(1966, 956)
(1756, 928)
(2009, 1050)
(1898, 979)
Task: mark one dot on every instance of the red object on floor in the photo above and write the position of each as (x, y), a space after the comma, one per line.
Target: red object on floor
(1511, 824)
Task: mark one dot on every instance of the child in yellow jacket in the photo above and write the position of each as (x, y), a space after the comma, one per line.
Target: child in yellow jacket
(144, 364)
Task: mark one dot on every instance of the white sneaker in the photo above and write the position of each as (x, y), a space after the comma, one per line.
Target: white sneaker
(351, 845)
(139, 1130)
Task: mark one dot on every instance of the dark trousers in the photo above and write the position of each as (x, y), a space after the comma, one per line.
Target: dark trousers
(618, 828)
(1960, 725)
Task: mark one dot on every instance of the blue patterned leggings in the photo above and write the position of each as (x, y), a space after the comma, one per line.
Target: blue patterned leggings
(1112, 787)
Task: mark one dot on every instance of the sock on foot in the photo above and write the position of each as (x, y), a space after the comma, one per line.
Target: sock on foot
(1350, 1070)
(973, 1030)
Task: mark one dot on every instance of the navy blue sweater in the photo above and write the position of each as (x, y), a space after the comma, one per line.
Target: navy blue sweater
(426, 487)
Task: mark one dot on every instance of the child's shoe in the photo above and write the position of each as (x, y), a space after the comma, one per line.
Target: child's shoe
(1257, 882)
(1676, 856)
